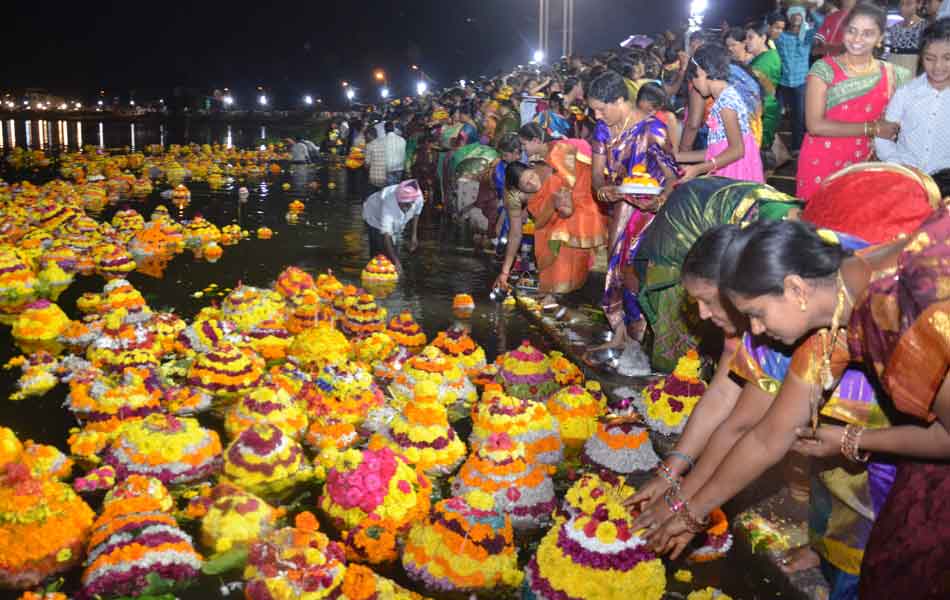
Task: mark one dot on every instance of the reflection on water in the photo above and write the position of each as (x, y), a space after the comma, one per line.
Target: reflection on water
(67, 134)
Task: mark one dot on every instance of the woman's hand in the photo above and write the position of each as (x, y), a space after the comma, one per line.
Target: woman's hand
(501, 282)
(887, 130)
(652, 491)
(654, 514)
(645, 202)
(563, 203)
(825, 443)
(609, 193)
(672, 537)
(691, 172)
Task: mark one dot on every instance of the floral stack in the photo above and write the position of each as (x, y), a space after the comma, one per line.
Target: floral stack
(379, 270)
(373, 496)
(44, 525)
(345, 391)
(234, 517)
(463, 305)
(463, 545)
(422, 434)
(526, 421)
(455, 389)
(621, 443)
(265, 461)
(364, 317)
(137, 544)
(226, 371)
(266, 404)
(295, 562)
(594, 552)
(667, 404)
(404, 330)
(521, 489)
(525, 372)
(173, 450)
(247, 307)
(458, 345)
(577, 411)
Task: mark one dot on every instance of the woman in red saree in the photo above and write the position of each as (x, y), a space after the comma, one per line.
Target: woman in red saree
(845, 99)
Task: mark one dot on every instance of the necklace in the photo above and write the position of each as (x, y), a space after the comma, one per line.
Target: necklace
(623, 128)
(829, 339)
(859, 71)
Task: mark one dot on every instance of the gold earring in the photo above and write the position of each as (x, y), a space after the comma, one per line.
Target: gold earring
(804, 306)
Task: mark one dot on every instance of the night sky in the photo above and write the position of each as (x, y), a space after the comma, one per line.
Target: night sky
(301, 47)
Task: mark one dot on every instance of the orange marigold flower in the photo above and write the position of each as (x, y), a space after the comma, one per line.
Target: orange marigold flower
(305, 521)
(359, 583)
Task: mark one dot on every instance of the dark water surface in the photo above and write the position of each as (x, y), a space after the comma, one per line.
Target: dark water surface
(329, 235)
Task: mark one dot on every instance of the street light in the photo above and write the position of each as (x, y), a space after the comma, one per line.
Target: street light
(350, 94)
(539, 56)
(308, 99)
(262, 100)
(379, 75)
(384, 93)
(346, 83)
(228, 100)
(422, 87)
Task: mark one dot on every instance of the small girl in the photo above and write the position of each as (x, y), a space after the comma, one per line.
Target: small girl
(652, 100)
(732, 149)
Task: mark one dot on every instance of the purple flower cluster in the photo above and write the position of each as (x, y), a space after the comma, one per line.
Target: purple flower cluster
(622, 561)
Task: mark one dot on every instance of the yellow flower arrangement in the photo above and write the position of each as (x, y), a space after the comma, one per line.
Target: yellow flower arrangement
(41, 321)
(267, 404)
(708, 593)
(265, 461)
(235, 517)
(374, 348)
(577, 412)
(319, 346)
(668, 403)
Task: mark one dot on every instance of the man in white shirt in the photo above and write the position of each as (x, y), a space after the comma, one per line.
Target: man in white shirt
(922, 108)
(375, 159)
(395, 154)
(387, 213)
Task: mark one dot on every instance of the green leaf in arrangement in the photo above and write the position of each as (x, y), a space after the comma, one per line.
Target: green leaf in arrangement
(235, 558)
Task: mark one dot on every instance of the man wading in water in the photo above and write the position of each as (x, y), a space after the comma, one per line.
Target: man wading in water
(386, 213)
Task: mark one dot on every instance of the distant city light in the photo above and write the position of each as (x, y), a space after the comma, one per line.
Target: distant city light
(308, 99)
(414, 67)
(346, 83)
(350, 94)
(422, 87)
(379, 75)
(384, 93)
(262, 100)
(63, 106)
(99, 103)
(228, 100)
(539, 55)
(131, 102)
(462, 82)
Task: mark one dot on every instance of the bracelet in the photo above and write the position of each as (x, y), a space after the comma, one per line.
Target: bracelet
(680, 508)
(686, 458)
(849, 444)
(666, 473)
(713, 161)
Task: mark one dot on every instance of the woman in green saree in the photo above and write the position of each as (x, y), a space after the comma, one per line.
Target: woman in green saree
(768, 70)
(692, 208)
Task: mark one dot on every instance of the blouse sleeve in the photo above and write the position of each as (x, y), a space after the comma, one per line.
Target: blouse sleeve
(748, 367)
(513, 206)
(823, 71)
(807, 361)
(600, 138)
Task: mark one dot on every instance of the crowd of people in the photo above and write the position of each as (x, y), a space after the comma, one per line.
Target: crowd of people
(830, 304)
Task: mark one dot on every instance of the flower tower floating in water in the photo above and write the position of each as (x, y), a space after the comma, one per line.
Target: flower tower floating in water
(135, 538)
(622, 442)
(520, 489)
(44, 526)
(595, 552)
(459, 346)
(577, 411)
(422, 434)
(379, 270)
(265, 461)
(455, 389)
(364, 317)
(667, 404)
(463, 545)
(525, 372)
(526, 421)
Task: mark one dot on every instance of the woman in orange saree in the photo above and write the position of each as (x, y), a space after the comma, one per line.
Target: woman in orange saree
(568, 223)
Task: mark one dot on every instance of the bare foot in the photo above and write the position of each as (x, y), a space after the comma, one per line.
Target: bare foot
(799, 559)
(619, 340)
